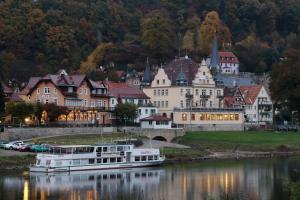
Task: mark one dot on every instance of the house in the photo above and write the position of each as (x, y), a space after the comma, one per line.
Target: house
(125, 93)
(156, 122)
(258, 104)
(146, 111)
(184, 84)
(87, 101)
(224, 62)
(8, 91)
(134, 79)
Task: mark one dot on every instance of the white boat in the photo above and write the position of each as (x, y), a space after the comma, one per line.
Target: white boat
(95, 157)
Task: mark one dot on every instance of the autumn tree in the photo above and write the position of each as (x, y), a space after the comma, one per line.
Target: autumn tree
(212, 24)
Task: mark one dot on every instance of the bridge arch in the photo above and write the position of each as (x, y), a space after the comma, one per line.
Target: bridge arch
(160, 138)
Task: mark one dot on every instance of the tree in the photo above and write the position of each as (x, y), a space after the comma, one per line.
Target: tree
(212, 24)
(53, 111)
(126, 111)
(2, 102)
(285, 81)
(19, 110)
(38, 111)
(158, 34)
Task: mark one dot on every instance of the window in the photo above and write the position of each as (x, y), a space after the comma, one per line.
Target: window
(167, 92)
(85, 91)
(150, 157)
(112, 160)
(203, 103)
(119, 159)
(46, 90)
(210, 103)
(146, 111)
(104, 149)
(167, 104)
(152, 111)
(203, 73)
(150, 122)
(154, 102)
(144, 158)
(38, 91)
(91, 161)
(197, 92)
(164, 81)
(162, 104)
(136, 158)
(154, 92)
(80, 91)
(193, 117)
(203, 92)
(155, 157)
(184, 116)
(112, 101)
(210, 92)
(218, 92)
(158, 104)
(162, 92)
(157, 82)
(104, 160)
(55, 101)
(99, 160)
(181, 104)
(70, 89)
(158, 92)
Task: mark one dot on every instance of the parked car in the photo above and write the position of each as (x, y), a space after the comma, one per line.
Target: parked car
(2, 144)
(13, 145)
(40, 147)
(25, 147)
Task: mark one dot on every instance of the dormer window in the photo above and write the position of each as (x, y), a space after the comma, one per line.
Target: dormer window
(164, 81)
(157, 82)
(70, 89)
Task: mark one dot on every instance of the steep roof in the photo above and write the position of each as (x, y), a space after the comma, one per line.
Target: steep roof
(228, 57)
(250, 93)
(147, 78)
(231, 80)
(189, 68)
(156, 118)
(214, 60)
(123, 90)
(15, 98)
(6, 89)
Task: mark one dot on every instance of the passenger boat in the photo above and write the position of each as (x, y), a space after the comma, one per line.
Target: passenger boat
(95, 157)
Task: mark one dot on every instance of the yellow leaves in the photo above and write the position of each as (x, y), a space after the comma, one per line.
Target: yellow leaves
(95, 58)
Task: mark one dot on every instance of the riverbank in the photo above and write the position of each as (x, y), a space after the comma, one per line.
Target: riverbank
(204, 146)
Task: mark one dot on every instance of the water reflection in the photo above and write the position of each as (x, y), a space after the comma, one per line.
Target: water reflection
(260, 179)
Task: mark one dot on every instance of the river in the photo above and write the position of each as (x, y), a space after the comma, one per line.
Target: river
(261, 179)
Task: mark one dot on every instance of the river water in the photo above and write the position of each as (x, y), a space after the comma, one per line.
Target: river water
(230, 179)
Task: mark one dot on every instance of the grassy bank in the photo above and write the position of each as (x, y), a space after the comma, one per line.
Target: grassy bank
(250, 141)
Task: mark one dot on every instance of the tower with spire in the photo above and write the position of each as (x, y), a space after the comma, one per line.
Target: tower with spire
(214, 58)
(147, 77)
(181, 77)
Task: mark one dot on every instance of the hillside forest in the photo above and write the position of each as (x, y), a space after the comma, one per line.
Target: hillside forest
(42, 36)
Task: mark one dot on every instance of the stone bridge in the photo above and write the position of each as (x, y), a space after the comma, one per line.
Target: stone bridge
(158, 134)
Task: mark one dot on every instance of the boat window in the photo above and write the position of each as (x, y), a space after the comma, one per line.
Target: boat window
(48, 162)
(119, 159)
(113, 149)
(112, 160)
(91, 161)
(99, 160)
(126, 148)
(150, 157)
(144, 158)
(76, 162)
(155, 157)
(104, 176)
(112, 176)
(104, 149)
(120, 148)
(99, 149)
(136, 158)
(104, 160)
(79, 150)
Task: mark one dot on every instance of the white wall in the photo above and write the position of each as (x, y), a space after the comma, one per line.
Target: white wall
(154, 125)
(144, 112)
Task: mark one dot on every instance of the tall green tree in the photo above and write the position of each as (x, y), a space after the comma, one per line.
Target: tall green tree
(158, 34)
(126, 111)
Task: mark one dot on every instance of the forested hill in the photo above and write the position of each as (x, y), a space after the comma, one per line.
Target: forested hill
(42, 36)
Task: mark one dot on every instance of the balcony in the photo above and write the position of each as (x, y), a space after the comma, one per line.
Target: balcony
(69, 94)
(204, 96)
(189, 96)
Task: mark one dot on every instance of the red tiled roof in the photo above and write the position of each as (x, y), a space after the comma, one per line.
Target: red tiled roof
(15, 98)
(250, 93)
(6, 89)
(189, 67)
(228, 57)
(120, 73)
(233, 97)
(156, 118)
(125, 91)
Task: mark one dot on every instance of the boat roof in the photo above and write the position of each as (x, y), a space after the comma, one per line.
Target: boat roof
(89, 145)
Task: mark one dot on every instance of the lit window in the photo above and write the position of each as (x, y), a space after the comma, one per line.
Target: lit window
(184, 116)
(193, 117)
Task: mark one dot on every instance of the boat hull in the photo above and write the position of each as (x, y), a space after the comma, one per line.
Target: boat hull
(94, 167)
